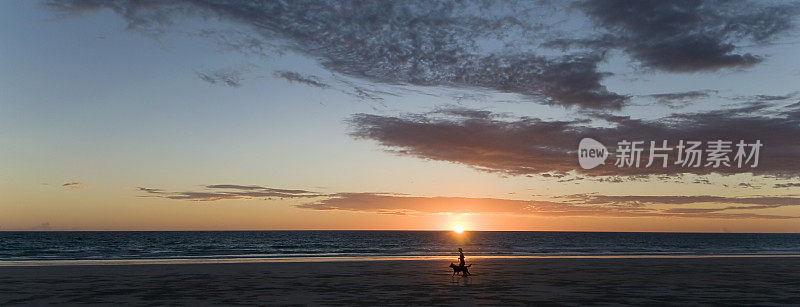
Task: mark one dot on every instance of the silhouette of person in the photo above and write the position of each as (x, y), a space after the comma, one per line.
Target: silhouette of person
(460, 257)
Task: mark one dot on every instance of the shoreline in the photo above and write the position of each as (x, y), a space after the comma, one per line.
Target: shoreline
(494, 281)
(169, 261)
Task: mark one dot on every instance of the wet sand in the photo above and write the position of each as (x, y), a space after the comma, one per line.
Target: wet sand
(637, 281)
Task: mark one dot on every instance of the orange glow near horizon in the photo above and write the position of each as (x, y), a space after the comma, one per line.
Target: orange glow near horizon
(458, 229)
(29, 206)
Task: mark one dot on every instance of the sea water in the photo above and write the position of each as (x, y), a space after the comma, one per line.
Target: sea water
(143, 245)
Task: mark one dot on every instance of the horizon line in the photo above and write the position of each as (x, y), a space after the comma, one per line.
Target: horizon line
(387, 230)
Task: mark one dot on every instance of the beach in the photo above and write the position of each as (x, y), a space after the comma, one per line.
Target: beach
(570, 281)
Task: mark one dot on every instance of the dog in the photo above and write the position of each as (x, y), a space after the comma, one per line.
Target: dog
(460, 269)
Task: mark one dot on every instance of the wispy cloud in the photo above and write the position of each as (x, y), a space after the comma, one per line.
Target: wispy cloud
(570, 205)
(749, 185)
(762, 202)
(229, 77)
(680, 99)
(700, 206)
(74, 185)
(787, 185)
(301, 79)
(229, 191)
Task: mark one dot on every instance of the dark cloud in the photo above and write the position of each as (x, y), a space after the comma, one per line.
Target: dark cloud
(687, 35)
(74, 185)
(679, 99)
(551, 175)
(298, 78)
(680, 95)
(464, 112)
(787, 185)
(150, 190)
(399, 42)
(749, 185)
(474, 44)
(766, 98)
(228, 77)
(572, 205)
(775, 97)
(229, 191)
(702, 181)
(520, 146)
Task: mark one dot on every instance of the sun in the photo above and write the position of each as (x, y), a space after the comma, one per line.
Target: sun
(458, 229)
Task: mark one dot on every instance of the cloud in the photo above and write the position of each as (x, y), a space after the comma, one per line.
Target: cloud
(687, 35)
(229, 77)
(679, 99)
(749, 185)
(474, 44)
(566, 205)
(775, 97)
(150, 190)
(229, 191)
(383, 203)
(524, 145)
(786, 185)
(762, 202)
(445, 44)
(74, 185)
(571, 205)
(298, 78)
(702, 180)
(766, 98)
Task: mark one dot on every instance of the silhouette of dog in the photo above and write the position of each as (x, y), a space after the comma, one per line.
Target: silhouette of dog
(460, 269)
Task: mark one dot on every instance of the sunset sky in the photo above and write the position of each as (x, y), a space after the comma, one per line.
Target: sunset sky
(216, 115)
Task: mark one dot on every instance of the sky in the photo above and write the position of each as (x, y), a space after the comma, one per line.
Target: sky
(409, 115)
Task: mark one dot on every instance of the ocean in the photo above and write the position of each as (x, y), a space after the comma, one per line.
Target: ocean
(149, 245)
